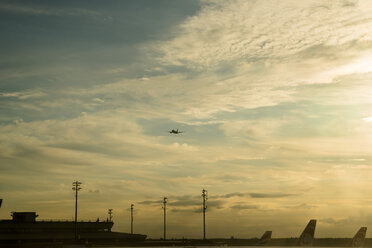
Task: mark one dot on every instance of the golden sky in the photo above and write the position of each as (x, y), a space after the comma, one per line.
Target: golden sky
(274, 98)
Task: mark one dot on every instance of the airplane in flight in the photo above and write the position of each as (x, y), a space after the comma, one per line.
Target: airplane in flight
(307, 236)
(359, 237)
(175, 131)
(266, 237)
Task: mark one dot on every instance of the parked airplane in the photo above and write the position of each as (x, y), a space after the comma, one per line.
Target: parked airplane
(307, 236)
(359, 237)
(175, 131)
(266, 237)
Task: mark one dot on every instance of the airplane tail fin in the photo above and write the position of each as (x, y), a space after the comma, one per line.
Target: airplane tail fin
(266, 237)
(307, 236)
(359, 237)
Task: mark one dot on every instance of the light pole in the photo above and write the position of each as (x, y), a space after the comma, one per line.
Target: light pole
(131, 218)
(205, 198)
(110, 214)
(165, 216)
(110, 217)
(76, 188)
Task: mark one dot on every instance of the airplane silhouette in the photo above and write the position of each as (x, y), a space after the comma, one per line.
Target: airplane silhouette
(175, 131)
(266, 237)
(307, 236)
(359, 237)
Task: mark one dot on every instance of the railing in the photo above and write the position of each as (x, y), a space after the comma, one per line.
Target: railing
(68, 220)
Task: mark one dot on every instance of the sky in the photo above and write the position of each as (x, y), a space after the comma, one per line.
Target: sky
(274, 98)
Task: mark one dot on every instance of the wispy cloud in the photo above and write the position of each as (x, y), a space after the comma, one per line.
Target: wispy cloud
(270, 195)
(30, 9)
(150, 202)
(257, 195)
(274, 98)
(244, 207)
(24, 94)
(225, 31)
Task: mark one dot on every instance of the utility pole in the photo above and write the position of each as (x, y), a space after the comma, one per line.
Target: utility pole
(165, 216)
(131, 218)
(76, 188)
(110, 217)
(205, 198)
(110, 214)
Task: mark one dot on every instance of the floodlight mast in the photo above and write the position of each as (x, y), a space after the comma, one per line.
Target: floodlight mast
(205, 198)
(110, 214)
(131, 218)
(76, 187)
(165, 199)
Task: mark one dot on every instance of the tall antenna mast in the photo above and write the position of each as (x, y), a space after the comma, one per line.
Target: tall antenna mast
(165, 216)
(205, 198)
(76, 188)
(131, 218)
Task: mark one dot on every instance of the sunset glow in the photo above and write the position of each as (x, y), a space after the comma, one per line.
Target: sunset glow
(274, 99)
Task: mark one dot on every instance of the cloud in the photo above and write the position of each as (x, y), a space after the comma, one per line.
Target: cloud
(150, 202)
(353, 220)
(231, 178)
(257, 195)
(244, 207)
(367, 119)
(274, 99)
(22, 95)
(185, 146)
(18, 121)
(270, 195)
(98, 100)
(94, 191)
(187, 204)
(186, 210)
(42, 10)
(302, 206)
(226, 31)
(234, 194)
